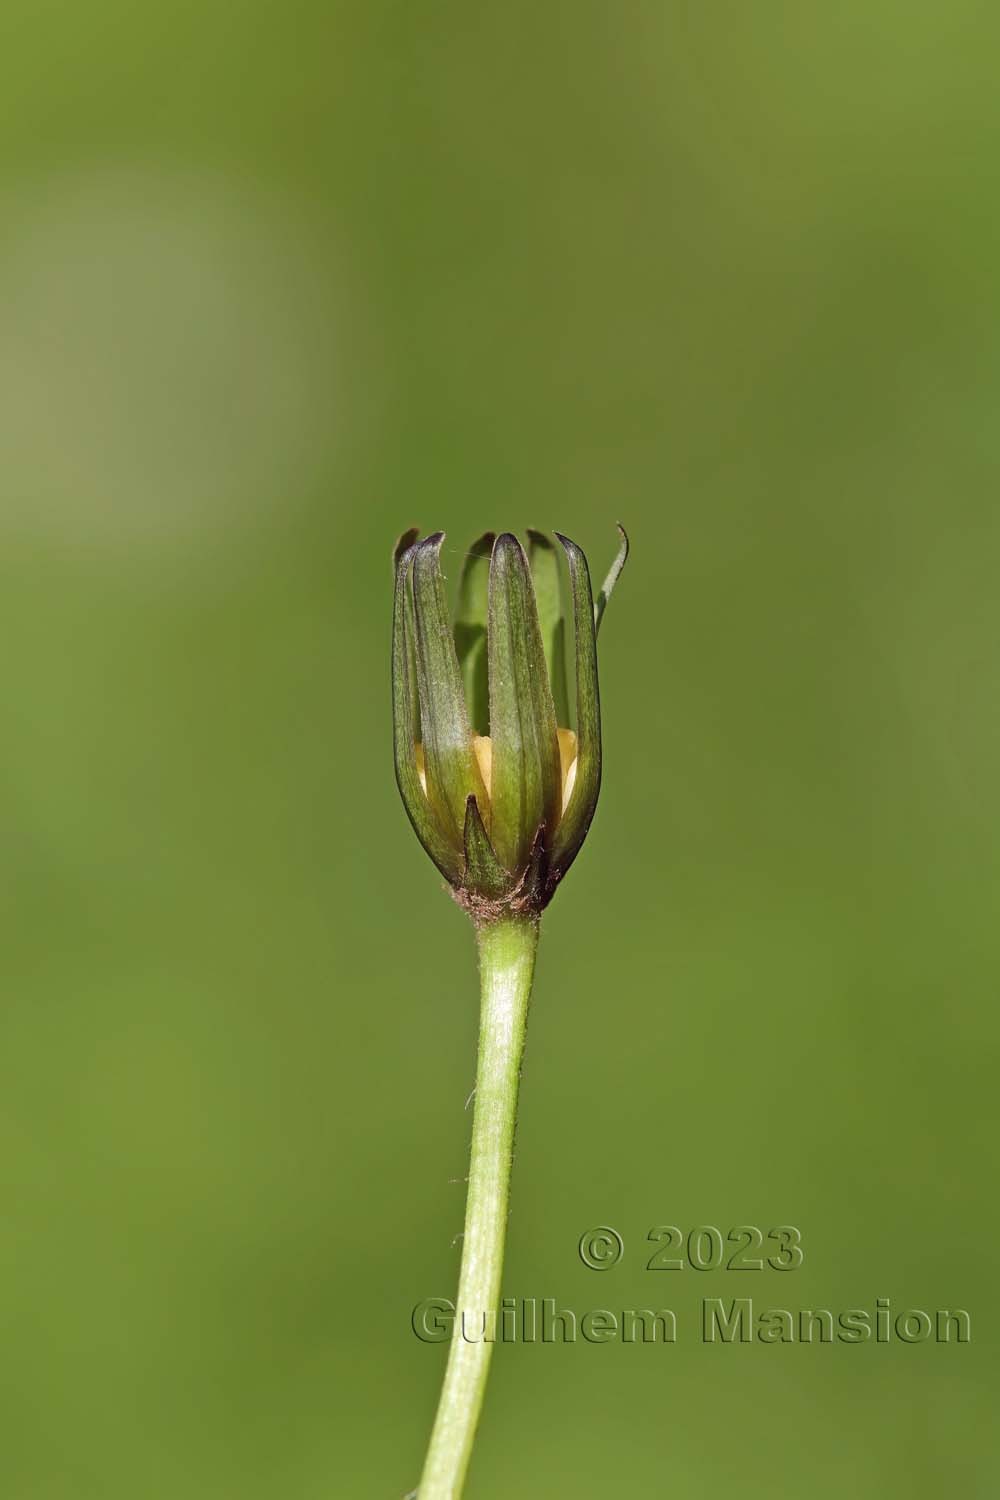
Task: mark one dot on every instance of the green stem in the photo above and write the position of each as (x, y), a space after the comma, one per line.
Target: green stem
(506, 964)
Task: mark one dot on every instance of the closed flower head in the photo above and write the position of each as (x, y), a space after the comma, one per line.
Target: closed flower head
(499, 778)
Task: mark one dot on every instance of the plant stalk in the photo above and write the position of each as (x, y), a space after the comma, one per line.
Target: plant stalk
(506, 965)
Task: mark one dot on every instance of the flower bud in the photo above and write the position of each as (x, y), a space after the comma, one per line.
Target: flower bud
(498, 785)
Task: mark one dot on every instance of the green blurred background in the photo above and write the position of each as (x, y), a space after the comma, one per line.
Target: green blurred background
(276, 282)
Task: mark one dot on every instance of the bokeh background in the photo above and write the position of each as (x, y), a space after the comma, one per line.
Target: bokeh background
(275, 283)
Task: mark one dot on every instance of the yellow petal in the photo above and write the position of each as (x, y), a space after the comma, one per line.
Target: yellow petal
(567, 763)
(483, 746)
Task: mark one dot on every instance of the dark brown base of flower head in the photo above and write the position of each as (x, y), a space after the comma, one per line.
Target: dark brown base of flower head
(485, 910)
(527, 896)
